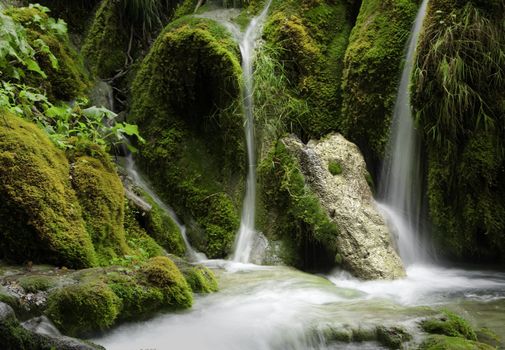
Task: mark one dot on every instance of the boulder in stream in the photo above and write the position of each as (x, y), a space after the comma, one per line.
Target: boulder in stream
(335, 171)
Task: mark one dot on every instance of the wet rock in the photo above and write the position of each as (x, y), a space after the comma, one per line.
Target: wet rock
(364, 243)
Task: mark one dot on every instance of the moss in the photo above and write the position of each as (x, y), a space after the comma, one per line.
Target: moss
(201, 279)
(461, 113)
(40, 216)
(66, 81)
(449, 324)
(162, 273)
(392, 337)
(36, 283)
(142, 245)
(372, 67)
(163, 229)
(194, 152)
(101, 195)
(106, 42)
(14, 337)
(441, 342)
(82, 308)
(311, 37)
(334, 167)
(298, 217)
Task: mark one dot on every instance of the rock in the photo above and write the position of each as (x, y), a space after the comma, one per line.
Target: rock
(364, 243)
(6, 312)
(101, 95)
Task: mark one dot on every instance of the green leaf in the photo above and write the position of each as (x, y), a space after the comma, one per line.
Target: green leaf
(32, 65)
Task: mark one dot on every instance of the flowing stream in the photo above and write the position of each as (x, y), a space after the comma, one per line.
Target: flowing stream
(247, 43)
(400, 186)
(275, 307)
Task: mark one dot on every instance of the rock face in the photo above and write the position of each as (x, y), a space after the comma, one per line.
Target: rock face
(364, 242)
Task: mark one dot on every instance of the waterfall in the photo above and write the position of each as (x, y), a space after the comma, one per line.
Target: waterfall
(132, 171)
(400, 186)
(245, 238)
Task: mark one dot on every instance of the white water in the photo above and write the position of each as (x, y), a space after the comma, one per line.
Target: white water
(245, 237)
(260, 308)
(401, 178)
(133, 172)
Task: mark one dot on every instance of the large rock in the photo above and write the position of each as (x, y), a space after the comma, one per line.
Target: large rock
(364, 241)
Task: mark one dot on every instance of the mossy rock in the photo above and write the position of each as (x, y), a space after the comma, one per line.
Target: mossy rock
(66, 81)
(36, 283)
(392, 337)
(40, 215)
(101, 195)
(310, 38)
(194, 153)
(106, 42)
(201, 279)
(442, 342)
(162, 228)
(83, 308)
(162, 273)
(295, 213)
(371, 72)
(462, 120)
(449, 324)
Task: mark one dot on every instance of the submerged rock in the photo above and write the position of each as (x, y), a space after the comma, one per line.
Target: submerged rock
(364, 242)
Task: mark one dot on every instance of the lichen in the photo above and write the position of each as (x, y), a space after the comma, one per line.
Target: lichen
(40, 215)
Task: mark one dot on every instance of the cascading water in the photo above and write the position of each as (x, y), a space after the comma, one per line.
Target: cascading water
(400, 179)
(245, 237)
(132, 171)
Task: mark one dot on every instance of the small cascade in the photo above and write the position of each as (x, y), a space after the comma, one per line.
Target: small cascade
(245, 238)
(400, 186)
(132, 171)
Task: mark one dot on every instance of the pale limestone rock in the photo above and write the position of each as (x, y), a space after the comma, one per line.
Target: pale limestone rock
(364, 242)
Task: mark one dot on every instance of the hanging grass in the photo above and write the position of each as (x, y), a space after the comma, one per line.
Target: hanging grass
(459, 100)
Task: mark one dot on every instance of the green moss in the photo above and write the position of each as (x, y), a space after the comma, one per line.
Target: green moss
(194, 152)
(162, 273)
(372, 67)
(106, 42)
(449, 324)
(440, 342)
(33, 284)
(14, 337)
(142, 245)
(82, 308)
(40, 216)
(311, 38)
(298, 218)
(163, 229)
(392, 337)
(101, 195)
(461, 113)
(201, 279)
(334, 167)
(64, 82)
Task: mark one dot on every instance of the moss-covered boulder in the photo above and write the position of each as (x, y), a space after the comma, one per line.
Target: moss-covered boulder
(194, 152)
(41, 218)
(371, 72)
(442, 342)
(309, 39)
(460, 107)
(449, 324)
(96, 299)
(101, 195)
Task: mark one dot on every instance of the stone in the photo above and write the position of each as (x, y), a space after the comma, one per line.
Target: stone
(364, 243)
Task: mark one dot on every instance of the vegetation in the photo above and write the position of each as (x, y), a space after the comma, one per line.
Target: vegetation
(296, 216)
(460, 109)
(372, 66)
(449, 324)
